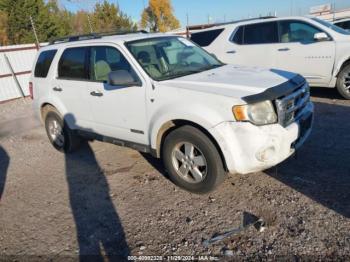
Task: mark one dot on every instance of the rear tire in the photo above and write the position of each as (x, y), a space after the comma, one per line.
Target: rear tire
(60, 135)
(192, 160)
(343, 82)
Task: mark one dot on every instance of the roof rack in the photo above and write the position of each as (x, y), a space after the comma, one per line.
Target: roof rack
(205, 26)
(83, 37)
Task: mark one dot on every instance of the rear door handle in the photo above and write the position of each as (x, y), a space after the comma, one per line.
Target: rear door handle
(231, 52)
(283, 49)
(57, 89)
(99, 94)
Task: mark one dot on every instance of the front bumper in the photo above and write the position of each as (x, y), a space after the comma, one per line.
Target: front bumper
(248, 148)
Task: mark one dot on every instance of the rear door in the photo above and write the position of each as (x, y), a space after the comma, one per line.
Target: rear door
(70, 85)
(252, 45)
(299, 52)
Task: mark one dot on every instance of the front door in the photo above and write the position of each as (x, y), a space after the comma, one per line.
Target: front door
(118, 111)
(299, 52)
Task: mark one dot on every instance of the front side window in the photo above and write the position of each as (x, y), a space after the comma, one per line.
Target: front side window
(105, 59)
(72, 64)
(43, 64)
(262, 33)
(296, 31)
(171, 57)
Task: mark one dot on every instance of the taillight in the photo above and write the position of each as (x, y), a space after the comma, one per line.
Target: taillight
(31, 90)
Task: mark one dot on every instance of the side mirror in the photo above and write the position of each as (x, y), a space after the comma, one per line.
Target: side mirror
(122, 78)
(321, 37)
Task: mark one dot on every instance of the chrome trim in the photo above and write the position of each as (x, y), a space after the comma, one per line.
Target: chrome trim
(290, 107)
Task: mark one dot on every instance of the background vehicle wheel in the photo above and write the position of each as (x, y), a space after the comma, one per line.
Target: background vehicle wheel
(192, 160)
(343, 82)
(60, 136)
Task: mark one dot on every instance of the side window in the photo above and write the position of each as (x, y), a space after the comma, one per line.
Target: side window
(72, 64)
(105, 59)
(296, 31)
(238, 37)
(346, 25)
(206, 38)
(262, 33)
(43, 63)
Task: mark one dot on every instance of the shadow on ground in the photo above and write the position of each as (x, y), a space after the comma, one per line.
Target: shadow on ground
(4, 163)
(99, 230)
(321, 168)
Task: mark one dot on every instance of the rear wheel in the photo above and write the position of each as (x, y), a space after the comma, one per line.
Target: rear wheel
(60, 136)
(343, 82)
(192, 160)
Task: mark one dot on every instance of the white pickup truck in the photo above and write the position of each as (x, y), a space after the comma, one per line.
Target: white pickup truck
(316, 49)
(164, 95)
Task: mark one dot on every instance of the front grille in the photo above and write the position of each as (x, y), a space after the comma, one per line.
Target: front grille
(289, 107)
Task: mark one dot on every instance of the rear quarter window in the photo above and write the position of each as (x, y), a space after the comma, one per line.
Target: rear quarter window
(206, 38)
(43, 63)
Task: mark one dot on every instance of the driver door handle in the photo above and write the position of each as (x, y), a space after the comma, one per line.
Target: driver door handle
(231, 52)
(283, 49)
(94, 93)
(57, 89)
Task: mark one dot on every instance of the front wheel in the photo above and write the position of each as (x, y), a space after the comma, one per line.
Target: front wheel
(192, 160)
(343, 82)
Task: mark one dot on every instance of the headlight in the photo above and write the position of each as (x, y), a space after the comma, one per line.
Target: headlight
(259, 114)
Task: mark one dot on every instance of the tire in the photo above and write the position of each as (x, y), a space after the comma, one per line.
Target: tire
(61, 137)
(202, 158)
(343, 82)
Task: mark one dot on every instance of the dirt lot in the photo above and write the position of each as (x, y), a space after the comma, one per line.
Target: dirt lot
(110, 201)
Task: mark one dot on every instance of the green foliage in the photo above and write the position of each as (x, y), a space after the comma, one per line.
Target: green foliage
(52, 22)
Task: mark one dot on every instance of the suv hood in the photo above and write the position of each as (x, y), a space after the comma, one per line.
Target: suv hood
(232, 80)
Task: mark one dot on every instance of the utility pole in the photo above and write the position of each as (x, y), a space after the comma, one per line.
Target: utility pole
(35, 34)
(187, 26)
(291, 7)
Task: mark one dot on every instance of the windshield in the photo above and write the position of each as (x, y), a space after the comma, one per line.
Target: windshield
(165, 58)
(331, 26)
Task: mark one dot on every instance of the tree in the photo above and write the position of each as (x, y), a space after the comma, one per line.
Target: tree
(3, 28)
(158, 16)
(108, 17)
(19, 26)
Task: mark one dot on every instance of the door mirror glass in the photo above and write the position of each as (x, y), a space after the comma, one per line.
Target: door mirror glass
(122, 78)
(321, 37)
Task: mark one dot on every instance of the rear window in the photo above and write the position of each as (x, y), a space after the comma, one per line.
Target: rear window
(206, 38)
(72, 64)
(262, 33)
(43, 63)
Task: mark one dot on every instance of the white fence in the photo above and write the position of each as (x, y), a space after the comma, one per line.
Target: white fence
(14, 82)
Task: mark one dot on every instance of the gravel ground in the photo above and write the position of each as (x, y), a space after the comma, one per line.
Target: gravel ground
(111, 202)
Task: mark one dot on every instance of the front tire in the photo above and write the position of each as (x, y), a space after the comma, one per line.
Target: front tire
(192, 160)
(343, 82)
(61, 137)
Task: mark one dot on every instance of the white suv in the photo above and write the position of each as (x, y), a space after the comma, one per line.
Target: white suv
(314, 48)
(164, 95)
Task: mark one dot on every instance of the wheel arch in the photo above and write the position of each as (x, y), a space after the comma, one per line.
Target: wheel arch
(343, 64)
(172, 125)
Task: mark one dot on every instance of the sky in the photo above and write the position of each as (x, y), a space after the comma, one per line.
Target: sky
(200, 11)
